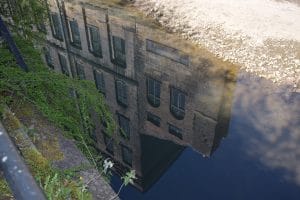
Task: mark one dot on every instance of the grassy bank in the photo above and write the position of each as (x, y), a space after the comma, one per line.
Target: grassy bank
(65, 102)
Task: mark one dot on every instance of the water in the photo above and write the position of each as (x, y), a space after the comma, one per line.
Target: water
(259, 159)
(193, 126)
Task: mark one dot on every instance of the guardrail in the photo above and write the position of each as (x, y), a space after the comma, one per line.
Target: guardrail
(5, 34)
(16, 173)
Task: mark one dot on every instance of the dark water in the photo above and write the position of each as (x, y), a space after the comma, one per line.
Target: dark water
(259, 159)
(195, 129)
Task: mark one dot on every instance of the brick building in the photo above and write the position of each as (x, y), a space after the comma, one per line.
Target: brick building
(163, 93)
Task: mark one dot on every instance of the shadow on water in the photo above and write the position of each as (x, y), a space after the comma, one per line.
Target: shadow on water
(189, 125)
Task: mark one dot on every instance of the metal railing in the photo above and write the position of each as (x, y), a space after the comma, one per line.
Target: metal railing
(5, 34)
(16, 173)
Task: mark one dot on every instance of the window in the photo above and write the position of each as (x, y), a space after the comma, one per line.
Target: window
(175, 131)
(80, 71)
(94, 41)
(49, 59)
(56, 26)
(126, 155)
(119, 56)
(177, 103)
(153, 119)
(124, 126)
(74, 33)
(153, 92)
(109, 142)
(63, 64)
(99, 81)
(121, 90)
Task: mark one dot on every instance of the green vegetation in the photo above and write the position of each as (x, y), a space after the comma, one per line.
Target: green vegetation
(5, 192)
(57, 184)
(27, 15)
(65, 102)
(127, 178)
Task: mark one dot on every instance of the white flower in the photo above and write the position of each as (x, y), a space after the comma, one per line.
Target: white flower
(107, 164)
(4, 159)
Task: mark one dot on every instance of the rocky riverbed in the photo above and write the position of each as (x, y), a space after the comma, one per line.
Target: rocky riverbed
(262, 36)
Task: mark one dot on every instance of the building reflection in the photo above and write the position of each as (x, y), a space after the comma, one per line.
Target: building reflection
(163, 92)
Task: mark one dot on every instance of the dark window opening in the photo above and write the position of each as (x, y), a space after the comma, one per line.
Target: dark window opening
(74, 33)
(153, 92)
(56, 26)
(121, 93)
(63, 64)
(126, 155)
(49, 59)
(109, 143)
(119, 55)
(177, 106)
(80, 71)
(124, 125)
(153, 119)
(175, 131)
(99, 81)
(94, 41)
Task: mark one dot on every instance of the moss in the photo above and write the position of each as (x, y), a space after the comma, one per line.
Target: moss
(23, 108)
(50, 149)
(38, 165)
(52, 180)
(5, 192)
(12, 122)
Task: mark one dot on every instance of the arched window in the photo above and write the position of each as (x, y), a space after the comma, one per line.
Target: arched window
(121, 90)
(80, 71)
(74, 33)
(153, 92)
(124, 124)
(126, 155)
(99, 81)
(63, 64)
(94, 40)
(119, 55)
(177, 106)
(56, 26)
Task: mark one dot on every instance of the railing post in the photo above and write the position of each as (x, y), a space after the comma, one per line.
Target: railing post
(20, 180)
(4, 32)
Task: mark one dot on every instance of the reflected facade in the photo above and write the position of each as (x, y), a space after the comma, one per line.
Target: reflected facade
(162, 96)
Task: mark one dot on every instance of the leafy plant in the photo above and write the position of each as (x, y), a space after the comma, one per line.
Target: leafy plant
(28, 16)
(5, 192)
(57, 187)
(127, 178)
